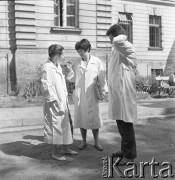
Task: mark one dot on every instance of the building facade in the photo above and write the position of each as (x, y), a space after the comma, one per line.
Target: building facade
(28, 28)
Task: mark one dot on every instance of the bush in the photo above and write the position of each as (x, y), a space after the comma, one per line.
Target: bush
(146, 84)
(70, 85)
(33, 89)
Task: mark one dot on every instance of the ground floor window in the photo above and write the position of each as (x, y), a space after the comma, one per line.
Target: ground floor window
(157, 72)
(66, 13)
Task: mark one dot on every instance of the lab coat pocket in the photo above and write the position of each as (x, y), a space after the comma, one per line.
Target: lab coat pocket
(56, 109)
(124, 67)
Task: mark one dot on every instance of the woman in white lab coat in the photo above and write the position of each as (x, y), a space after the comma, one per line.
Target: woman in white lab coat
(57, 121)
(85, 72)
(122, 90)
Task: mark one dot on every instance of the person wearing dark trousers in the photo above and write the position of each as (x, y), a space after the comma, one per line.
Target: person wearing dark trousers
(122, 91)
(128, 143)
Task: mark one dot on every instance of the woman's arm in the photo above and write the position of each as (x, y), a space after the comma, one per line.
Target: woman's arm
(71, 73)
(102, 78)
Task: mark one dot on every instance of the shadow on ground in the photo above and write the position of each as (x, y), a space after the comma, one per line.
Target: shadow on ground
(155, 138)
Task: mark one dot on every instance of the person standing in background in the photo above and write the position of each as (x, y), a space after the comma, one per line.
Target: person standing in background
(171, 79)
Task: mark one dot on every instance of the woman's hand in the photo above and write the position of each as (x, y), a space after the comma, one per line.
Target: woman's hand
(59, 107)
(69, 66)
(105, 96)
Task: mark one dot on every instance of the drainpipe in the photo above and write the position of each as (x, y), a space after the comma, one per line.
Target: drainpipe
(107, 67)
(7, 75)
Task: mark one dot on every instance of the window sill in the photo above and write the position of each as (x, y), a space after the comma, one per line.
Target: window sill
(155, 48)
(66, 30)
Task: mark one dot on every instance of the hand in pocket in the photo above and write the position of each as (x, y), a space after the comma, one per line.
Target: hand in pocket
(61, 111)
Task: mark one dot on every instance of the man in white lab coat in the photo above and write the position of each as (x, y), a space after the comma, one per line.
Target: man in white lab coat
(122, 90)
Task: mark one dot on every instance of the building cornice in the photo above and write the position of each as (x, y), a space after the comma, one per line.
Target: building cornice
(156, 2)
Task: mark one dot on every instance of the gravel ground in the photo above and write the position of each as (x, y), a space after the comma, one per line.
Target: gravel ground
(24, 155)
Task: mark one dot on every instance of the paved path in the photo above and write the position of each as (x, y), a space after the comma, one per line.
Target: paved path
(24, 155)
(33, 116)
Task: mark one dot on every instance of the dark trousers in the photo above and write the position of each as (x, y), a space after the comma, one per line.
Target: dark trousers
(128, 142)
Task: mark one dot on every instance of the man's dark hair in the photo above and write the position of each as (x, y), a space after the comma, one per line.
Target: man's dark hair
(83, 44)
(115, 30)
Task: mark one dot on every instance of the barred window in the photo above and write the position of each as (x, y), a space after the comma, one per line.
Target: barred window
(155, 31)
(125, 20)
(66, 13)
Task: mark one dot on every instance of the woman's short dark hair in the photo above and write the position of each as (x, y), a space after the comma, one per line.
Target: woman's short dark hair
(83, 44)
(115, 30)
(55, 49)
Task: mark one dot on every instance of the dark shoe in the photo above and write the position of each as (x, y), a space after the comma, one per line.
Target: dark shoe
(98, 147)
(82, 146)
(118, 154)
(124, 161)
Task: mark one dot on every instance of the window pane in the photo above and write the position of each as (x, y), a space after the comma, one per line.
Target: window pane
(157, 20)
(55, 9)
(66, 14)
(152, 36)
(71, 21)
(58, 11)
(71, 1)
(157, 72)
(122, 17)
(155, 29)
(150, 19)
(70, 10)
(56, 21)
(125, 20)
(157, 37)
(129, 17)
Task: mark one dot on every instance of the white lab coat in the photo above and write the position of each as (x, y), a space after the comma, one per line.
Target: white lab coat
(87, 114)
(121, 81)
(57, 129)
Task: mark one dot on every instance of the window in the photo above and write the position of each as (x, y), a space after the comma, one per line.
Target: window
(155, 31)
(66, 13)
(157, 72)
(125, 20)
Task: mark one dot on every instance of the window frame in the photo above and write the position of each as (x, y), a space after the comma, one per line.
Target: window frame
(128, 23)
(61, 14)
(157, 72)
(155, 26)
